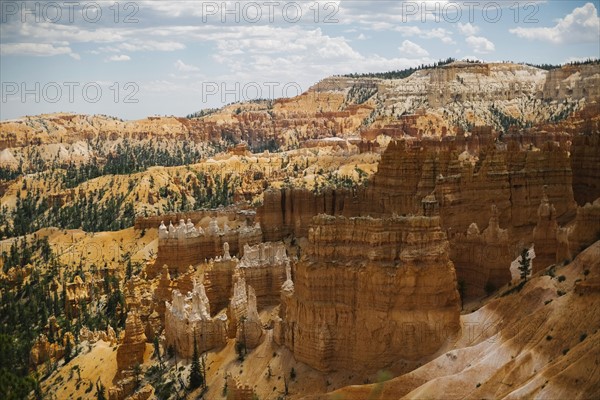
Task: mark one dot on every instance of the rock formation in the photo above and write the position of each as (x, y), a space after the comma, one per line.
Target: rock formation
(77, 291)
(42, 350)
(132, 348)
(290, 211)
(163, 291)
(368, 292)
(464, 185)
(218, 281)
(545, 236)
(189, 315)
(586, 229)
(482, 260)
(263, 268)
(244, 323)
(108, 336)
(185, 246)
(238, 391)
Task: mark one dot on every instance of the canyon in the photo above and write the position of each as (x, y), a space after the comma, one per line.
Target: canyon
(353, 241)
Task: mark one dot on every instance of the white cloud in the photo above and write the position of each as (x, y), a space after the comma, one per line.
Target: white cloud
(409, 48)
(467, 29)
(183, 67)
(437, 33)
(150, 45)
(36, 49)
(119, 57)
(480, 45)
(361, 37)
(581, 25)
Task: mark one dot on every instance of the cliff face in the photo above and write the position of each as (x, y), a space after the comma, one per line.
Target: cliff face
(510, 177)
(482, 260)
(263, 268)
(464, 186)
(586, 229)
(289, 211)
(534, 343)
(131, 350)
(585, 158)
(189, 315)
(179, 252)
(369, 291)
(545, 236)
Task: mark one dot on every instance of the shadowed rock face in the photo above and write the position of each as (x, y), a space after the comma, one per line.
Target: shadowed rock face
(464, 185)
(368, 292)
(585, 158)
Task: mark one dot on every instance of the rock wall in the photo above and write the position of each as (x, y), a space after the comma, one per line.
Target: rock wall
(369, 292)
(482, 260)
(189, 315)
(586, 229)
(263, 268)
(179, 253)
(218, 281)
(131, 350)
(545, 236)
(585, 158)
(464, 184)
(244, 323)
(289, 211)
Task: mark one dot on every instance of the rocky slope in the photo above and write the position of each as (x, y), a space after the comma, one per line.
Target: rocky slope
(519, 345)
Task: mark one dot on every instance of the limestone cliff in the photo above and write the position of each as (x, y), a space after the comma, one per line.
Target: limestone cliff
(534, 343)
(368, 292)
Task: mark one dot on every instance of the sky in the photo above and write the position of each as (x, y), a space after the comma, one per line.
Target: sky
(133, 59)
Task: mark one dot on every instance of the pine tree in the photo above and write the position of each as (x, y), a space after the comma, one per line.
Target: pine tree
(524, 263)
(196, 378)
(100, 390)
(129, 271)
(68, 350)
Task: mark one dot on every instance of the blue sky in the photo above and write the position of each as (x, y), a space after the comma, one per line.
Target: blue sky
(140, 58)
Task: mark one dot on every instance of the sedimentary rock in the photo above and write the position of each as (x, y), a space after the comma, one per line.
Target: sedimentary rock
(482, 260)
(163, 291)
(108, 336)
(368, 292)
(263, 268)
(218, 282)
(586, 229)
(585, 158)
(244, 323)
(545, 236)
(131, 350)
(77, 291)
(289, 211)
(464, 185)
(189, 315)
(179, 252)
(237, 390)
(42, 350)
